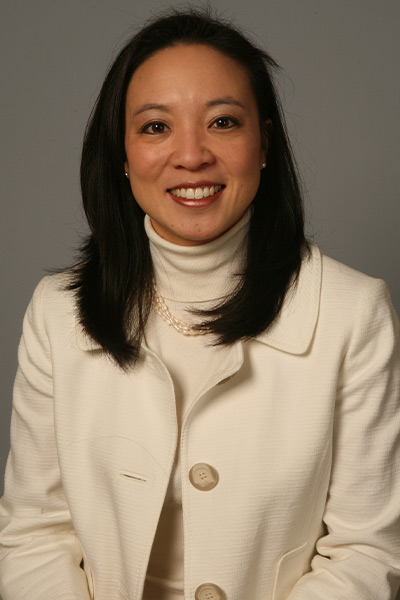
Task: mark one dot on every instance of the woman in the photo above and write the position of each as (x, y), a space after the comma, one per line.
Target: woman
(205, 407)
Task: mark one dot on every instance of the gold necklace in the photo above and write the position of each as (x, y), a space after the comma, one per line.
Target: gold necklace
(181, 326)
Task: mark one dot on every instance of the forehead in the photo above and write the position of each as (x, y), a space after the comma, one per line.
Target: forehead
(189, 70)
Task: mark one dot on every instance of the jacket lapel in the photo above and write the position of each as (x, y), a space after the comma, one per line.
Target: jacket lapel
(293, 330)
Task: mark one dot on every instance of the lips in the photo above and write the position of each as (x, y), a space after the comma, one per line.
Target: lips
(196, 192)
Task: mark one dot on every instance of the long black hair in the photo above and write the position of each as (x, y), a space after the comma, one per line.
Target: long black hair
(113, 280)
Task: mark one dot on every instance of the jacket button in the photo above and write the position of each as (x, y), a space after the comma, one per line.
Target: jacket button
(203, 477)
(209, 591)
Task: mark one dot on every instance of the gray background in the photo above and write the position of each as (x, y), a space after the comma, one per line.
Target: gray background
(340, 89)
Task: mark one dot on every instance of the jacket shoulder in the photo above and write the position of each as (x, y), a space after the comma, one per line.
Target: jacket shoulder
(350, 298)
(337, 272)
(53, 304)
(342, 283)
(53, 291)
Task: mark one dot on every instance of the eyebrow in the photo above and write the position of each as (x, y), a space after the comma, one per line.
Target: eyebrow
(224, 100)
(215, 102)
(151, 106)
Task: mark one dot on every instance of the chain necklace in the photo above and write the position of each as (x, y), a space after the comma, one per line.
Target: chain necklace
(181, 326)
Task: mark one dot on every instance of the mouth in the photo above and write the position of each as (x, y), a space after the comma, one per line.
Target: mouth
(196, 193)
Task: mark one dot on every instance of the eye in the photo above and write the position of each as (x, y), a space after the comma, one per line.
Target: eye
(154, 128)
(225, 123)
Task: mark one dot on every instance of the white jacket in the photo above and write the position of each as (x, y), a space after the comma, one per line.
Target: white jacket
(301, 424)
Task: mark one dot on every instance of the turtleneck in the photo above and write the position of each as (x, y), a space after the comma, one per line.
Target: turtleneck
(186, 276)
(198, 273)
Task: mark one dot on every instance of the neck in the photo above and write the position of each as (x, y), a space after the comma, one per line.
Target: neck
(198, 273)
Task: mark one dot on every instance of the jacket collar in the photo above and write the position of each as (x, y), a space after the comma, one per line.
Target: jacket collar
(293, 330)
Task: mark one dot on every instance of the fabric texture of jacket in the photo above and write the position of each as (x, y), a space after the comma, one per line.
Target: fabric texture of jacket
(302, 425)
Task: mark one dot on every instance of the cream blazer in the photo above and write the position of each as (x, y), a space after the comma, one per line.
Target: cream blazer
(301, 424)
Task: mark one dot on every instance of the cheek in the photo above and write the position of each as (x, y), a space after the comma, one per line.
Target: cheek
(143, 162)
(245, 160)
(248, 169)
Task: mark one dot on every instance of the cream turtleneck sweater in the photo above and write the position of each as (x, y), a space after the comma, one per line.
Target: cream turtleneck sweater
(197, 277)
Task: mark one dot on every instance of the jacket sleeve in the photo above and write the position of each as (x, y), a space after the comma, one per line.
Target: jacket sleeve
(40, 555)
(359, 557)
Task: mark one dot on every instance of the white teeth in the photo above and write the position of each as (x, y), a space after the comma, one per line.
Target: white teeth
(196, 193)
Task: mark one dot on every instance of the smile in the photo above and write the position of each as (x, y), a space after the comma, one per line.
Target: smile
(197, 193)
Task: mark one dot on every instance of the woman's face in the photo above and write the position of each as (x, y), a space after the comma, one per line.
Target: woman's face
(193, 142)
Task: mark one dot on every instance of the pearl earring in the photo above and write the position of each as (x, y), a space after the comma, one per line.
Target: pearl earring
(127, 174)
(264, 164)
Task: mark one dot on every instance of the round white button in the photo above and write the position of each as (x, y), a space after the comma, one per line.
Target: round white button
(209, 591)
(203, 477)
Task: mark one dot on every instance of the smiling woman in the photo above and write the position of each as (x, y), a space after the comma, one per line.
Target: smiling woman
(184, 139)
(205, 407)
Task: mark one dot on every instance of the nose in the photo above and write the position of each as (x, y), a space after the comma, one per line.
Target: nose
(192, 151)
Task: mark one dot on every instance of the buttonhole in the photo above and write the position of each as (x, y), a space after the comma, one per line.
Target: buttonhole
(135, 476)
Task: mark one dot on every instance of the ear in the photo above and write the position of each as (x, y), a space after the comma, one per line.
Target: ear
(266, 134)
(126, 167)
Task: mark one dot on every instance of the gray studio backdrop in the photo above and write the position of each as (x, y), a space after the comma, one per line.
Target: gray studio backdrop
(340, 88)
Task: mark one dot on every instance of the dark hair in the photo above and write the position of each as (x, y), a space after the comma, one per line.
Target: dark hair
(113, 281)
